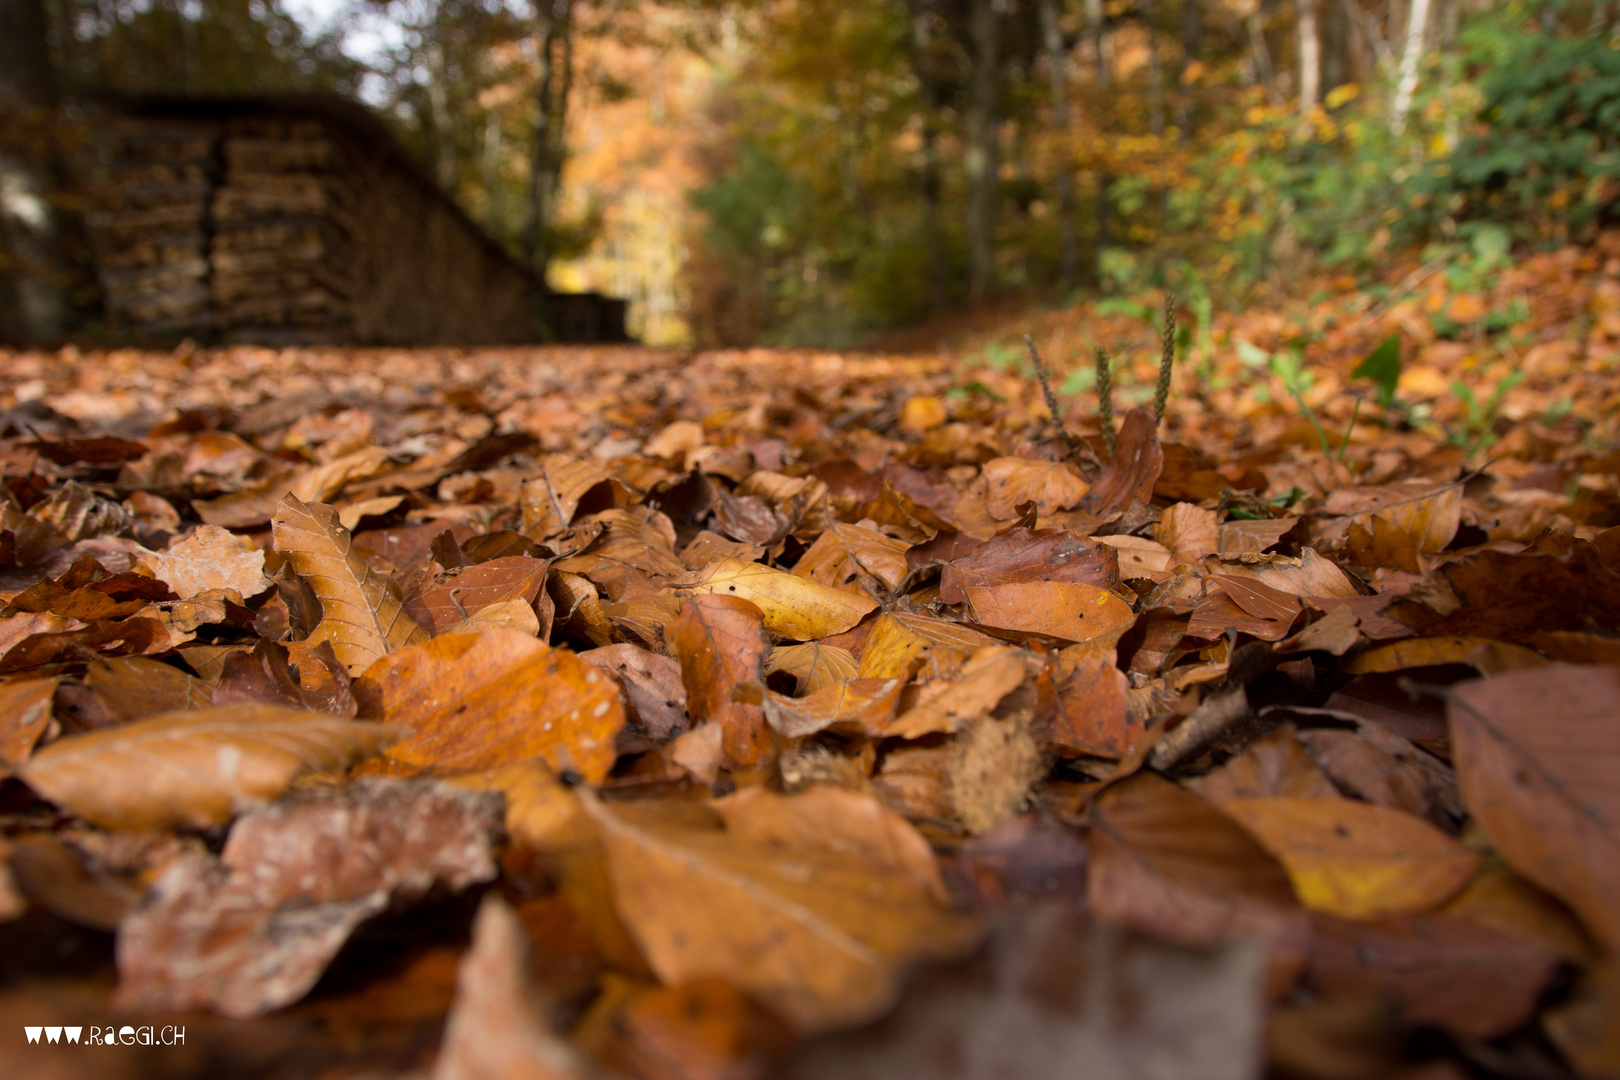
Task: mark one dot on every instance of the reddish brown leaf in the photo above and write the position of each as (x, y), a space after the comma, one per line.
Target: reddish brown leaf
(720, 642)
(1022, 555)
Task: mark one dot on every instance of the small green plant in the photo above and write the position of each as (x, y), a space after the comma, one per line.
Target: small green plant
(1478, 431)
(1289, 367)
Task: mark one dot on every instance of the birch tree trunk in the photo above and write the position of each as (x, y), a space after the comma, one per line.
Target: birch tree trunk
(1310, 58)
(1411, 54)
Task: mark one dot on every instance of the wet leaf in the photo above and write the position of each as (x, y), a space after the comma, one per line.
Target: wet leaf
(194, 768)
(494, 698)
(360, 615)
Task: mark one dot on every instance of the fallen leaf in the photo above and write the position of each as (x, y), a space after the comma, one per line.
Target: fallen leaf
(266, 676)
(949, 705)
(1275, 765)
(901, 643)
(1377, 765)
(1138, 558)
(475, 588)
(322, 483)
(1253, 537)
(1093, 716)
(814, 665)
(565, 487)
(1189, 532)
(866, 705)
(1433, 970)
(360, 615)
(720, 643)
(1168, 864)
(351, 516)
(25, 717)
(1532, 750)
(1133, 470)
(1050, 485)
(53, 876)
(497, 1028)
(706, 1028)
(846, 555)
(1022, 555)
(793, 607)
(1066, 610)
(498, 697)
(820, 942)
(1499, 899)
(652, 687)
(131, 687)
(1356, 860)
(253, 930)
(1584, 1027)
(210, 558)
(1335, 633)
(1054, 995)
(195, 768)
(1429, 514)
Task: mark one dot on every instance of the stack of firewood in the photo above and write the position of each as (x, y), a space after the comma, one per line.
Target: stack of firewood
(151, 231)
(282, 220)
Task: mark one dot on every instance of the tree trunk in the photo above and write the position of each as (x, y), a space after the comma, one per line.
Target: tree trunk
(982, 157)
(1062, 122)
(922, 46)
(494, 204)
(1102, 49)
(1411, 53)
(1310, 58)
(33, 305)
(539, 215)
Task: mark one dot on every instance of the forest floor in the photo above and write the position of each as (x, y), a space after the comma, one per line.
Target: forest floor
(588, 712)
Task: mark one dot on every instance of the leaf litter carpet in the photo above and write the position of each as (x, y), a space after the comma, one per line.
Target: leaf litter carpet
(587, 713)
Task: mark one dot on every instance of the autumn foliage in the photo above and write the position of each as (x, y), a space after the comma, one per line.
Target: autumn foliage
(585, 713)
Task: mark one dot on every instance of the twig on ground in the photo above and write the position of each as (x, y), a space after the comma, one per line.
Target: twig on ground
(1075, 445)
(1167, 358)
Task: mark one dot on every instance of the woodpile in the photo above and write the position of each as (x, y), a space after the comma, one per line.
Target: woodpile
(302, 221)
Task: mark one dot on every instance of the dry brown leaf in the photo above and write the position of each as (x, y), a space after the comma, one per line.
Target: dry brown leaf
(254, 930)
(551, 500)
(194, 768)
(1020, 554)
(993, 672)
(1584, 1027)
(1189, 532)
(494, 698)
(360, 614)
(1093, 717)
(846, 555)
(322, 483)
(793, 607)
(514, 577)
(901, 643)
(130, 687)
(652, 687)
(866, 705)
(1534, 751)
(1429, 514)
(820, 941)
(1253, 537)
(1375, 764)
(813, 665)
(210, 558)
(1273, 766)
(25, 717)
(498, 1025)
(720, 642)
(1133, 470)
(1068, 611)
(1355, 860)
(1050, 485)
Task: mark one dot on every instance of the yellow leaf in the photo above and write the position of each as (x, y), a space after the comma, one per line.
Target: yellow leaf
(794, 607)
(1356, 860)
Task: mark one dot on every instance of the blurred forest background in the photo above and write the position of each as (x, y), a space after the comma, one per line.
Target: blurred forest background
(820, 171)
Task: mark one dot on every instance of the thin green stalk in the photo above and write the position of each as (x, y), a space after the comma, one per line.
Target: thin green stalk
(1344, 446)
